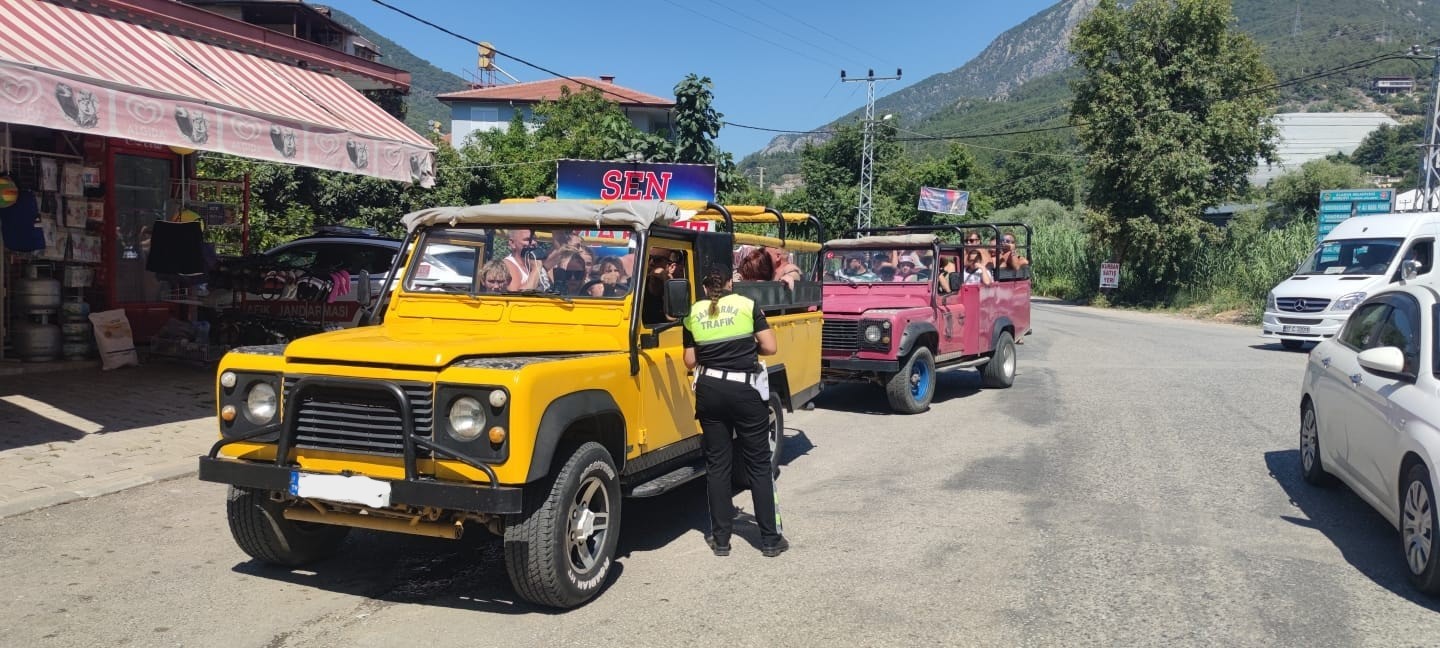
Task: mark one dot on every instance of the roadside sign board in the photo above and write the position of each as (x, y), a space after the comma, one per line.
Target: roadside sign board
(1109, 275)
(1337, 205)
(591, 179)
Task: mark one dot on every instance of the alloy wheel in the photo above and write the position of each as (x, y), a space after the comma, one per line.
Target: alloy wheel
(1416, 526)
(589, 523)
(1308, 439)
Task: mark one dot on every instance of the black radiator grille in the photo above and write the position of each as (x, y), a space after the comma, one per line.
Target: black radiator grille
(840, 335)
(359, 420)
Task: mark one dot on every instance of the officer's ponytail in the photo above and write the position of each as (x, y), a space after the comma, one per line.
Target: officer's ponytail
(714, 284)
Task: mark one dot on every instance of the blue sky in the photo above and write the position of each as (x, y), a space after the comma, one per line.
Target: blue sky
(741, 45)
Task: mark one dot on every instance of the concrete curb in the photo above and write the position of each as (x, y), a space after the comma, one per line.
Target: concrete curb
(55, 498)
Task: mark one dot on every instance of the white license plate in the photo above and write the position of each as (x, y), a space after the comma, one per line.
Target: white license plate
(1297, 330)
(350, 489)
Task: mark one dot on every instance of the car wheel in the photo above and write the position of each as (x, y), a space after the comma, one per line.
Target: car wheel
(259, 527)
(999, 372)
(561, 548)
(1418, 523)
(911, 388)
(1312, 468)
(1292, 345)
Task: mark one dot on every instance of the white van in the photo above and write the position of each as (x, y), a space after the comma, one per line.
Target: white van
(1360, 256)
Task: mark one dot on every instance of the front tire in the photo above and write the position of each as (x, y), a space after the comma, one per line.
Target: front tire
(911, 389)
(1418, 523)
(259, 527)
(1312, 467)
(561, 548)
(999, 372)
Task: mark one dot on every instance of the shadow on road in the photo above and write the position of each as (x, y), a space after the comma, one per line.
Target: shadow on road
(469, 574)
(38, 409)
(1275, 346)
(1362, 535)
(858, 398)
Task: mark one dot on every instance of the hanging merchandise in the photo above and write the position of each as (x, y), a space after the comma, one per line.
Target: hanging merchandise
(75, 213)
(49, 174)
(95, 213)
(176, 248)
(9, 193)
(18, 224)
(72, 179)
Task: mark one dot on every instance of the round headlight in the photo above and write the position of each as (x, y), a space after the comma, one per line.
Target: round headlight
(227, 379)
(467, 419)
(872, 333)
(261, 403)
(498, 398)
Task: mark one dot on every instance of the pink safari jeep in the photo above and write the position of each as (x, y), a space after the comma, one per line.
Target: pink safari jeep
(890, 320)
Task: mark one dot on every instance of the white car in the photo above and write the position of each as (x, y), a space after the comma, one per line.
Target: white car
(1370, 415)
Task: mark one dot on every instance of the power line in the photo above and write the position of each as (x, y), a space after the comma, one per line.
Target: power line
(821, 48)
(923, 136)
(497, 165)
(746, 32)
(821, 31)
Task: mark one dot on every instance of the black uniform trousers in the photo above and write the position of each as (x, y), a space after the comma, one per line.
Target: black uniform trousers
(725, 408)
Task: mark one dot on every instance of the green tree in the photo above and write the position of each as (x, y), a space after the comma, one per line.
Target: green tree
(1173, 108)
(1040, 170)
(1391, 151)
(1295, 196)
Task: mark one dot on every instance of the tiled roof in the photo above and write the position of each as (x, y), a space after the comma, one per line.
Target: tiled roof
(549, 89)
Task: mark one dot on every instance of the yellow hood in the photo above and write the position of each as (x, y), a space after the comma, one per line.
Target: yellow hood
(434, 348)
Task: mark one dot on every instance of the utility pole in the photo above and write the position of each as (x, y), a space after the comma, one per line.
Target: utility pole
(1295, 27)
(762, 178)
(867, 152)
(1429, 165)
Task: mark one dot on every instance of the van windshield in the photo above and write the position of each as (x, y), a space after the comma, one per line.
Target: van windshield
(1351, 257)
(538, 261)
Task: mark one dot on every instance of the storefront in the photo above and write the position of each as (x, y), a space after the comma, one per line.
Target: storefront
(101, 117)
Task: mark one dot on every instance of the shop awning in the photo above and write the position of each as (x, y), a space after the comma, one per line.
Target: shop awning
(68, 69)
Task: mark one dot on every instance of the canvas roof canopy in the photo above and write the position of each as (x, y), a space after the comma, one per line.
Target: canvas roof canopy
(896, 240)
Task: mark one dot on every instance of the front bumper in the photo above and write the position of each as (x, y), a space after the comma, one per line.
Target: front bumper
(858, 364)
(413, 492)
(1312, 327)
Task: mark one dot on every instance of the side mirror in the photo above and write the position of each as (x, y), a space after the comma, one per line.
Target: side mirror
(363, 291)
(1385, 361)
(1409, 269)
(956, 281)
(677, 298)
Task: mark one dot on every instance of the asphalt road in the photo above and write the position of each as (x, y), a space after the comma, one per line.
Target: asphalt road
(1137, 486)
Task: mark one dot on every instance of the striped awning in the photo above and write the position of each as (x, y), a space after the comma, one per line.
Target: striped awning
(69, 69)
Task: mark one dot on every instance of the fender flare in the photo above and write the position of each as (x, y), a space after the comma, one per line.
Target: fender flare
(912, 332)
(562, 413)
(1001, 324)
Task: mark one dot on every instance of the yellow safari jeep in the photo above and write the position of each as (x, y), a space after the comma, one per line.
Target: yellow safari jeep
(510, 377)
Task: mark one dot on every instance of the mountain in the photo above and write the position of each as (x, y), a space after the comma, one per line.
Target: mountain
(426, 80)
(1020, 80)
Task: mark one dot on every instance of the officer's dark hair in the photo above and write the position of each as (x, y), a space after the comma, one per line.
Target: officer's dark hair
(716, 277)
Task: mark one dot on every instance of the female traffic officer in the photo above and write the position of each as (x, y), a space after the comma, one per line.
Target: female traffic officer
(724, 336)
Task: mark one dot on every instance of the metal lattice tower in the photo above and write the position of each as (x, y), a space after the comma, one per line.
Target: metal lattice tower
(867, 152)
(1430, 155)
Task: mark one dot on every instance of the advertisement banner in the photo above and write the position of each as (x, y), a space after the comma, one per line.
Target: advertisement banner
(47, 100)
(591, 180)
(1109, 275)
(944, 201)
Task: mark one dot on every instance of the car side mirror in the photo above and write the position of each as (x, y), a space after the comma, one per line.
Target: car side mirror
(956, 281)
(677, 298)
(1385, 361)
(363, 290)
(1409, 269)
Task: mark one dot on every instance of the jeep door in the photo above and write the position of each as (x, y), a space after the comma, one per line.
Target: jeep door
(667, 399)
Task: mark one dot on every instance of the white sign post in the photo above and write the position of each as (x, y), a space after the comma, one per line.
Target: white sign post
(1109, 275)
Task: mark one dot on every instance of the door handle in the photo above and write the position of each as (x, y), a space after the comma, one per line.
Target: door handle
(1356, 378)
(1325, 362)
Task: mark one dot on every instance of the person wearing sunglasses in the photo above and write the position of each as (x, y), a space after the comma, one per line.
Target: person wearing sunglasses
(567, 271)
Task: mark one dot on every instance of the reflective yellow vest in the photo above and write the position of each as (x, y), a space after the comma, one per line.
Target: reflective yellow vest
(734, 321)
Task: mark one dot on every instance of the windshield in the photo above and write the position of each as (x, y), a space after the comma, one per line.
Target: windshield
(1351, 257)
(895, 265)
(541, 261)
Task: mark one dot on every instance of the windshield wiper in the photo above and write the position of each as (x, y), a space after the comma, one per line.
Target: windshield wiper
(454, 289)
(535, 292)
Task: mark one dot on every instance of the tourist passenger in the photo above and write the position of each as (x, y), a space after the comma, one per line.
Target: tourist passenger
(909, 268)
(785, 269)
(662, 268)
(976, 269)
(610, 272)
(855, 269)
(494, 277)
(567, 271)
(1009, 258)
(526, 271)
(947, 268)
(756, 266)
